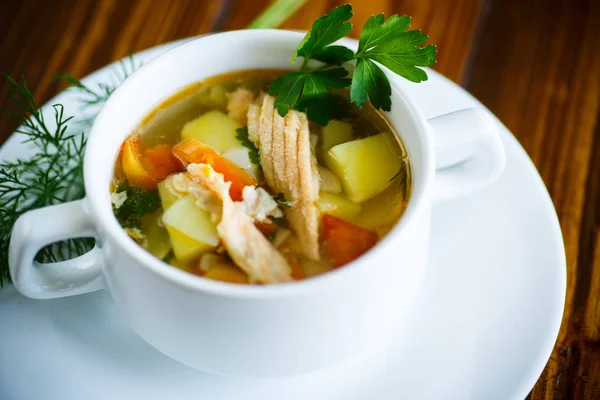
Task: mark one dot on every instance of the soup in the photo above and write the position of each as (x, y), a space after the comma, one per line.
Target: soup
(215, 182)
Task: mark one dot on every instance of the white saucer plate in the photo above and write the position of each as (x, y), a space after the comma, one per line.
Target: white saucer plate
(483, 325)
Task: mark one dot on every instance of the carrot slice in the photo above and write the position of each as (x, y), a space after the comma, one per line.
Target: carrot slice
(296, 271)
(160, 162)
(131, 161)
(344, 241)
(289, 251)
(194, 151)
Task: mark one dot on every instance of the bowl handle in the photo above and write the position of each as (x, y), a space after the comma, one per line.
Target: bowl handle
(468, 151)
(38, 228)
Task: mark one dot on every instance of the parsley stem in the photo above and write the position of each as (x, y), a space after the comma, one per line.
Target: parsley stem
(325, 67)
(276, 14)
(304, 63)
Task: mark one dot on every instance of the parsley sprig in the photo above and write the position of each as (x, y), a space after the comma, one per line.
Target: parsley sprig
(382, 42)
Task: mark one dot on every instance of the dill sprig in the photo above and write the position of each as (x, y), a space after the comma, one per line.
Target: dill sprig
(54, 174)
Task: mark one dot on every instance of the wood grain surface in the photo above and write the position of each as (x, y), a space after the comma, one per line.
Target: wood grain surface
(534, 63)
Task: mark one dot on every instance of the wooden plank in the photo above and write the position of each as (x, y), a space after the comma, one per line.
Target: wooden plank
(537, 68)
(534, 63)
(43, 38)
(454, 39)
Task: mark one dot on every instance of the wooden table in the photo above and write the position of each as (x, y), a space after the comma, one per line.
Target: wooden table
(534, 63)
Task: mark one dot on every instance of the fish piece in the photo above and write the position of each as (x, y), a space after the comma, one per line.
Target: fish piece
(265, 139)
(292, 124)
(290, 167)
(237, 105)
(248, 248)
(278, 150)
(259, 205)
(308, 174)
(181, 185)
(253, 123)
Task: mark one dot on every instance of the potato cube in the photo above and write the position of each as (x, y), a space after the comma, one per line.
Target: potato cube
(214, 129)
(336, 132)
(365, 166)
(338, 206)
(191, 229)
(167, 198)
(383, 210)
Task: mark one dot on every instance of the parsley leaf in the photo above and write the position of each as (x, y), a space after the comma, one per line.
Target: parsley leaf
(306, 90)
(334, 55)
(332, 77)
(377, 30)
(383, 42)
(388, 43)
(403, 55)
(288, 89)
(370, 80)
(323, 108)
(324, 31)
(241, 134)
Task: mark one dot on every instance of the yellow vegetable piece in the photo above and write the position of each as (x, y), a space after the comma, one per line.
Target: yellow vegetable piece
(241, 158)
(336, 132)
(158, 242)
(186, 249)
(226, 273)
(383, 210)
(214, 129)
(178, 264)
(314, 268)
(212, 96)
(365, 166)
(338, 206)
(190, 228)
(208, 260)
(167, 198)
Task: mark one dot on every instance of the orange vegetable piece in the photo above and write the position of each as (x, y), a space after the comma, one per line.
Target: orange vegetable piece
(344, 241)
(297, 271)
(133, 168)
(160, 162)
(291, 256)
(226, 273)
(194, 151)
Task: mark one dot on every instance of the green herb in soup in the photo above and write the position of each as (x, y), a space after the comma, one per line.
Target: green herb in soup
(217, 183)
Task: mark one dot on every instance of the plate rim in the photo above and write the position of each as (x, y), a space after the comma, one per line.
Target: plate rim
(559, 298)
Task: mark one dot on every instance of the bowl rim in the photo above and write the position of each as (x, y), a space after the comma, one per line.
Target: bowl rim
(418, 199)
